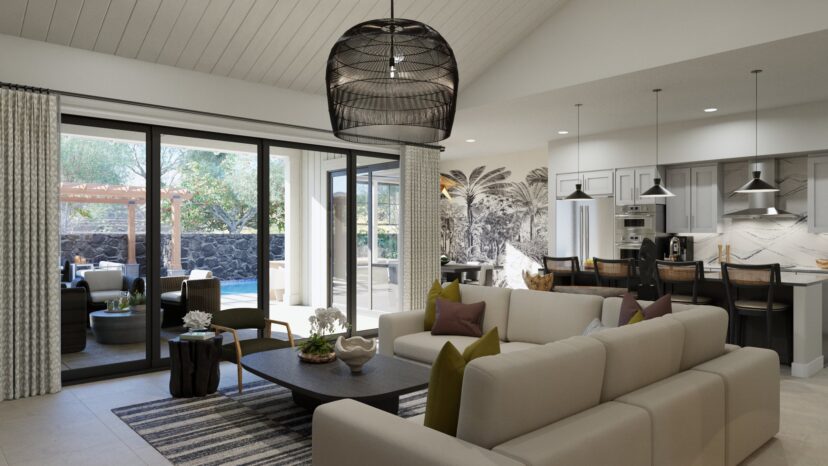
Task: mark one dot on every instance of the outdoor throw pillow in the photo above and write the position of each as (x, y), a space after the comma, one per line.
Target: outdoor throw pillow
(629, 308)
(538, 282)
(458, 318)
(451, 292)
(446, 383)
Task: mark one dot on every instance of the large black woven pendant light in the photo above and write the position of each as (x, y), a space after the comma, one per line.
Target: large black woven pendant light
(392, 80)
(657, 190)
(757, 184)
(578, 194)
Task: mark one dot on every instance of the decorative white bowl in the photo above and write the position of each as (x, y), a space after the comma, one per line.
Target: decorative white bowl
(355, 351)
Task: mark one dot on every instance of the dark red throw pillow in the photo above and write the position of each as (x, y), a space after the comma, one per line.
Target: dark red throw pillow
(629, 306)
(458, 318)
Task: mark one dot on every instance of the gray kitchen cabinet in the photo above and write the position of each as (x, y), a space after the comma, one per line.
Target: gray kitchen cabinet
(817, 193)
(697, 204)
(677, 181)
(631, 182)
(597, 183)
(705, 199)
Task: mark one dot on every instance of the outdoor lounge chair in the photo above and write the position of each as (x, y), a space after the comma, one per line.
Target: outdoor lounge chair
(199, 291)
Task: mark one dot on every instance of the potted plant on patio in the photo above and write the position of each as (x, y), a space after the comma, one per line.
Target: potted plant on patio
(318, 348)
(137, 302)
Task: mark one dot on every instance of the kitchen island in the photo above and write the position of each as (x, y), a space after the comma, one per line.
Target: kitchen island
(806, 291)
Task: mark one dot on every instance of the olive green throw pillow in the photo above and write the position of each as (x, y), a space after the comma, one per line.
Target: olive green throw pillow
(451, 293)
(446, 382)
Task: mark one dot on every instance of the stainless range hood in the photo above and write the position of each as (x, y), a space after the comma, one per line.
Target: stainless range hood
(761, 204)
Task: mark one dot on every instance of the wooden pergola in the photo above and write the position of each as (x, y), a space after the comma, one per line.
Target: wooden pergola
(130, 196)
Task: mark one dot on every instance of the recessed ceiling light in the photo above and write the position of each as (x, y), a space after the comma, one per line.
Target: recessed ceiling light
(711, 110)
(563, 131)
(471, 140)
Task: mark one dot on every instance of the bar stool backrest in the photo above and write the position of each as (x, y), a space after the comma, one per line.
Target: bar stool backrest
(561, 265)
(757, 277)
(688, 273)
(613, 269)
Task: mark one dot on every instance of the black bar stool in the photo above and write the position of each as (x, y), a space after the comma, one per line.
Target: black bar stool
(609, 272)
(686, 275)
(758, 279)
(562, 267)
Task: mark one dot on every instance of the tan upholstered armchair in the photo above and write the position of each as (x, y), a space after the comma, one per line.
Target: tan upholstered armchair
(231, 320)
(182, 294)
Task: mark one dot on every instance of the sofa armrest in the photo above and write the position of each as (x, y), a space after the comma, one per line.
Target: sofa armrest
(202, 294)
(81, 283)
(349, 433)
(397, 324)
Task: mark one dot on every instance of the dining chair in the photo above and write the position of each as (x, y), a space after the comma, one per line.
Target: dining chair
(743, 285)
(684, 275)
(233, 320)
(562, 267)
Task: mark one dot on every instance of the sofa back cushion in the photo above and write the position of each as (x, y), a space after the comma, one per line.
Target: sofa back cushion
(497, 305)
(543, 317)
(705, 330)
(511, 394)
(640, 354)
(104, 279)
(197, 274)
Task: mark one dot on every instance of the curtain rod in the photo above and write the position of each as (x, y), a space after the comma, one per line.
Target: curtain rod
(201, 113)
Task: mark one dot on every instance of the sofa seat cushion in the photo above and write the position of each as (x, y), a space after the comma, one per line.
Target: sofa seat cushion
(687, 412)
(104, 296)
(171, 297)
(599, 435)
(542, 317)
(423, 346)
(640, 354)
(751, 379)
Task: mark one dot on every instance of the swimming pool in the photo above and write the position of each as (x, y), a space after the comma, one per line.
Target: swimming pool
(239, 286)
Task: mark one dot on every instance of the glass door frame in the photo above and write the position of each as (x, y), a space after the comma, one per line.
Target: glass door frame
(153, 132)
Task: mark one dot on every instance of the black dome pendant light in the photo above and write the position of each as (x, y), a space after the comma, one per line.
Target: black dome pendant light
(657, 190)
(391, 80)
(578, 194)
(757, 184)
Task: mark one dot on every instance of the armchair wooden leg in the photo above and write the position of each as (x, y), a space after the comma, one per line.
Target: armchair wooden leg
(239, 367)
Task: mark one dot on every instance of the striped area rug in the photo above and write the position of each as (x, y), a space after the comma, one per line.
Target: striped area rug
(262, 426)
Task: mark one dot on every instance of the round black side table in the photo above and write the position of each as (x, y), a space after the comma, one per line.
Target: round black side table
(194, 366)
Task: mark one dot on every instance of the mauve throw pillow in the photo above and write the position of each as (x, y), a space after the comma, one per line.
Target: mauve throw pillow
(458, 318)
(629, 306)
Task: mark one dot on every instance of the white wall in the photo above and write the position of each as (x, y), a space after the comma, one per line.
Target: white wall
(785, 130)
(587, 40)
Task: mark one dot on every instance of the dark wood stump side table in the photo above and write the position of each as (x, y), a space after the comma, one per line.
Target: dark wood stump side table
(194, 367)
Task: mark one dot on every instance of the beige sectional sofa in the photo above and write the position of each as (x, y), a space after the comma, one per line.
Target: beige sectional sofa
(662, 392)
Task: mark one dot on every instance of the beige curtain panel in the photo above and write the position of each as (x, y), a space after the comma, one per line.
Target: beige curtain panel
(421, 224)
(29, 251)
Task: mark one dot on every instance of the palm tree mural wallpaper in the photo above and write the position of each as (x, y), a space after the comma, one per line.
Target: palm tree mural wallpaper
(489, 211)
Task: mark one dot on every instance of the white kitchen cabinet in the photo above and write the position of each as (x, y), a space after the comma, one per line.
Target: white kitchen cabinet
(705, 199)
(631, 182)
(817, 194)
(595, 183)
(697, 204)
(677, 181)
(625, 186)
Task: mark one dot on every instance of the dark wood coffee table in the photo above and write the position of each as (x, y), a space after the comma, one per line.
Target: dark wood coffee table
(382, 381)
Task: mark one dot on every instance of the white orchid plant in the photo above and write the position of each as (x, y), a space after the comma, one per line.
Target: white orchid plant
(197, 320)
(324, 322)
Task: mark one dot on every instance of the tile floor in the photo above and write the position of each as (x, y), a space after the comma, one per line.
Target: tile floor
(76, 426)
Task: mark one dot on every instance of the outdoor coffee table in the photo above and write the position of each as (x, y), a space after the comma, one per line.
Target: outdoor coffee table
(117, 328)
(382, 381)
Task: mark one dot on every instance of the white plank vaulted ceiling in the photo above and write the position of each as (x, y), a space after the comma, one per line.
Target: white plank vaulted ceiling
(284, 43)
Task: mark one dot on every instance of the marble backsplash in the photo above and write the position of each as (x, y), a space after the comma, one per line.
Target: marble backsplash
(766, 240)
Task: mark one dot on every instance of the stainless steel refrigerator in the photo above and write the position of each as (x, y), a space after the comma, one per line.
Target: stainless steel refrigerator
(585, 228)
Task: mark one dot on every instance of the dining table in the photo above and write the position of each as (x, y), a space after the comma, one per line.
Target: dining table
(455, 271)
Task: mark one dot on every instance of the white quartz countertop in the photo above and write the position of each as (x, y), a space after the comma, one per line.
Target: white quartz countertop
(790, 276)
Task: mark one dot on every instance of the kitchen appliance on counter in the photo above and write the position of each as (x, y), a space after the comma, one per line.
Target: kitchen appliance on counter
(674, 247)
(584, 228)
(634, 224)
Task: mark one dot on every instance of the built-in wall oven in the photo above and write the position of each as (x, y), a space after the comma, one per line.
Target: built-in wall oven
(634, 223)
